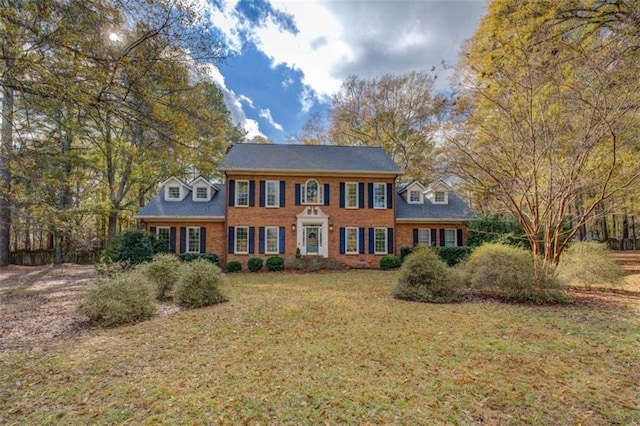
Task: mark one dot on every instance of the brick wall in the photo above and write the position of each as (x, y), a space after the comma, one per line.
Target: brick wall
(215, 234)
(404, 232)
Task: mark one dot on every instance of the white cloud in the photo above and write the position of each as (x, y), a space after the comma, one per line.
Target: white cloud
(287, 82)
(246, 100)
(266, 114)
(307, 99)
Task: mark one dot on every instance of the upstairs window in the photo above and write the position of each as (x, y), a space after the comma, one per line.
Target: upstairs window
(202, 193)
(439, 197)
(173, 192)
(311, 193)
(415, 196)
(351, 195)
(273, 193)
(242, 193)
(379, 196)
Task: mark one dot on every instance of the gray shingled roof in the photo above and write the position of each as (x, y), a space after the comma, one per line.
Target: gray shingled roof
(159, 207)
(248, 156)
(454, 209)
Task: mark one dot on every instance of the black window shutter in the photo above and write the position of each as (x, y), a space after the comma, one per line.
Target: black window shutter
(342, 195)
(252, 237)
(442, 238)
(327, 191)
(183, 239)
(361, 240)
(262, 193)
(283, 187)
(203, 239)
(343, 244)
(232, 193)
(261, 242)
(361, 195)
(389, 195)
(370, 191)
(415, 236)
(152, 231)
(433, 237)
(459, 232)
(232, 240)
(281, 240)
(297, 194)
(390, 240)
(172, 239)
(252, 193)
(372, 247)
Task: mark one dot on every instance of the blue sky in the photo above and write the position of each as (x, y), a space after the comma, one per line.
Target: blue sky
(286, 58)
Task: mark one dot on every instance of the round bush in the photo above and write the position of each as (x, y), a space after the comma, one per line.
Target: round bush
(507, 273)
(424, 277)
(389, 262)
(589, 263)
(234, 266)
(255, 264)
(199, 285)
(163, 272)
(119, 299)
(275, 263)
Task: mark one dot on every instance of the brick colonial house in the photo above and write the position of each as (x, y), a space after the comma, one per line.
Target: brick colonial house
(332, 201)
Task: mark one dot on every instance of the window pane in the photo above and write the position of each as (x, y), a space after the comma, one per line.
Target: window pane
(202, 193)
(439, 197)
(424, 237)
(351, 194)
(273, 196)
(242, 193)
(174, 192)
(242, 239)
(352, 240)
(381, 240)
(414, 196)
(272, 240)
(193, 240)
(311, 195)
(379, 200)
(450, 239)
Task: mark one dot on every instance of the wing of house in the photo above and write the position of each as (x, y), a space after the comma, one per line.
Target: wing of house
(331, 201)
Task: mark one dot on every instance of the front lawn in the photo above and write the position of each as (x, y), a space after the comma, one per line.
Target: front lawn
(336, 348)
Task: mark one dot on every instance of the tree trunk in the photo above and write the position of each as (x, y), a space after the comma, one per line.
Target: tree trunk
(63, 235)
(6, 146)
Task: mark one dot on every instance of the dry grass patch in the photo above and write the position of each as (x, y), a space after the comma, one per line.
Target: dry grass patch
(336, 348)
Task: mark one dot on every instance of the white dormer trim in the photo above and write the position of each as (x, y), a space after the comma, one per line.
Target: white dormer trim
(438, 192)
(411, 188)
(201, 182)
(169, 190)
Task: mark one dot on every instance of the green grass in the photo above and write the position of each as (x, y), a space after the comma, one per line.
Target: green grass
(337, 348)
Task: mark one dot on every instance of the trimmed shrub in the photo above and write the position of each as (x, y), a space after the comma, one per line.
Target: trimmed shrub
(275, 263)
(589, 263)
(507, 273)
(255, 264)
(453, 255)
(190, 257)
(199, 285)
(404, 252)
(163, 272)
(234, 266)
(133, 246)
(389, 262)
(424, 277)
(120, 299)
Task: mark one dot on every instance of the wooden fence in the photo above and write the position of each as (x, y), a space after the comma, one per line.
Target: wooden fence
(46, 257)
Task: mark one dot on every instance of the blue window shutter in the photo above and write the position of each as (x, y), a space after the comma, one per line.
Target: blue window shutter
(261, 242)
(232, 193)
(459, 231)
(172, 239)
(283, 187)
(297, 194)
(183, 239)
(390, 195)
(252, 237)
(433, 237)
(390, 241)
(361, 195)
(232, 240)
(327, 191)
(361, 240)
(343, 244)
(415, 236)
(372, 247)
(252, 193)
(262, 193)
(342, 195)
(203, 239)
(281, 240)
(370, 190)
(152, 231)
(442, 238)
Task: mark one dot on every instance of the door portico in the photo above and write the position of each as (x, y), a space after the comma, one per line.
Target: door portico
(312, 227)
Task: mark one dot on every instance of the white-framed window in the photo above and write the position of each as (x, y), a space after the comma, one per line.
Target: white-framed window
(193, 240)
(424, 237)
(242, 240)
(351, 195)
(450, 237)
(311, 193)
(272, 240)
(415, 196)
(272, 193)
(173, 192)
(163, 234)
(379, 196)
(439, 197)
(242, 193)
(202, 193)
(380, 240)
(351, 241)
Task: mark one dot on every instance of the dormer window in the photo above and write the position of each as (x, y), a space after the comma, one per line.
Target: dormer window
(173, 192)
(202, 193)
(311, 192)
(440, 197)
(415, 196)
